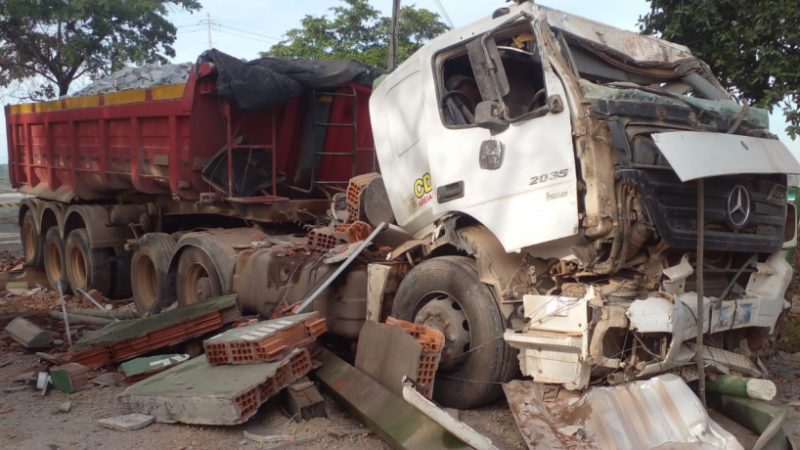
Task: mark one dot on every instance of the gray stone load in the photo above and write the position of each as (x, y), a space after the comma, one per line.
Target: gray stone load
(145, 76)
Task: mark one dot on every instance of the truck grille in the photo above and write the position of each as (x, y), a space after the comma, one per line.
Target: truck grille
(673, 208)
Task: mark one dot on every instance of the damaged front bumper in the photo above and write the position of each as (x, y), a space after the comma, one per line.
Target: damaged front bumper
(570, 341)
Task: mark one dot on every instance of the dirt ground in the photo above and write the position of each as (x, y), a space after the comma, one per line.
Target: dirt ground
(29, 420)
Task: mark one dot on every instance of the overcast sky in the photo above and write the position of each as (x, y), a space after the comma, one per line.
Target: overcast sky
(245, 27)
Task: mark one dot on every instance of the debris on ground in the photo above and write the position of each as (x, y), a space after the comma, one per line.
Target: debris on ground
(123, 340)
(70, 377)
(388, 415)
(642, 414)
(129, 422)
(28, 334)
(270, 340)
(140, 368)
(304, 401)
(448, 422)
(196, 392)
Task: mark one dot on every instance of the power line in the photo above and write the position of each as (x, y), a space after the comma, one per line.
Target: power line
(443, 11)
(251, 32)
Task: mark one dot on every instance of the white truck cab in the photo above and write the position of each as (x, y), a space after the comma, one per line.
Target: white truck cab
(546, 166)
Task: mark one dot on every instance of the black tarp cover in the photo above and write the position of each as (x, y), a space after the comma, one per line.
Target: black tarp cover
(268, 82)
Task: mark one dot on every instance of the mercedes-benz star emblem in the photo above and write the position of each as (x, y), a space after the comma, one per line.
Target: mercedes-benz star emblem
(739, 206)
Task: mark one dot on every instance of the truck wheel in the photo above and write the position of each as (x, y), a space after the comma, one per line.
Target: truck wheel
(150, 278)
(197, 279)
(86, 268)
(32, 242)
(445, 293)
(54, 260)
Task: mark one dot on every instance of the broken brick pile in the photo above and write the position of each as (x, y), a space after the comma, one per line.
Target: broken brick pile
(124, 340)
(432, 342)
(264, 341)
(242, 368)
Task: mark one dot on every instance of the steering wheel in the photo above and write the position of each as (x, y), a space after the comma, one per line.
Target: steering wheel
(466, 100)
(538, 95)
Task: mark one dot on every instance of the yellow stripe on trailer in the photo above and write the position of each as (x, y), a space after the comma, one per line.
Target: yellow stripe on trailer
(87, 101)
(167, 92)
(25, 108)
(55, 105)
(125, 97)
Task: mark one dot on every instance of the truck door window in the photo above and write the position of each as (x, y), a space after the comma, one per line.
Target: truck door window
(459, 93)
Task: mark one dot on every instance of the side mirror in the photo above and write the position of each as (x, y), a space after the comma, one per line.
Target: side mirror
(490, 75)
(489, 115)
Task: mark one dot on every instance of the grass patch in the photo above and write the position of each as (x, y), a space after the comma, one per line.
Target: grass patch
(790, 341)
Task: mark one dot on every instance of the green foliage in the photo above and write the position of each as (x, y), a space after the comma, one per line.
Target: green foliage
(61, 40)
(357, 31)
(752, 45)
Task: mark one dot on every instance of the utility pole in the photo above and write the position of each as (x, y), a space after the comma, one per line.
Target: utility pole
(208, 23)
(392, 63)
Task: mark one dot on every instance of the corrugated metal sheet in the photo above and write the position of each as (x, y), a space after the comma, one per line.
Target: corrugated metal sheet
(662, 413)
(651, 414)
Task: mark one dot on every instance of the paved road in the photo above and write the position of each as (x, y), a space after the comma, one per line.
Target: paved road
(9, 228)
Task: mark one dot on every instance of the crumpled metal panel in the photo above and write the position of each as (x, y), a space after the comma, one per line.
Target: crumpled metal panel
(661, 412)
(650, 414)
(638, 47)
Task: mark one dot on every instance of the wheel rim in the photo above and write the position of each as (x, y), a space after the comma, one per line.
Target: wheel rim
(76, 266)
(444, 312)
(28, 240)
(197, 285)
(146, 281)
(53, 261)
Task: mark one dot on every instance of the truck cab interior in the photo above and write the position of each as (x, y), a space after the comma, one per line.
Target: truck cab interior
(459, 91)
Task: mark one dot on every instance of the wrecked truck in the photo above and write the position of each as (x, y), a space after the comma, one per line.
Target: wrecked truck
(526, 184)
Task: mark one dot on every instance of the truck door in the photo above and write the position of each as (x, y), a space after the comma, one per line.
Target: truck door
(513, 171)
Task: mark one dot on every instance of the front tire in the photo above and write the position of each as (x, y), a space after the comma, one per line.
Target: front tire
(446, 293)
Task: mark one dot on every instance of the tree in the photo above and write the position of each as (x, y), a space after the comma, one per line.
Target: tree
(357, 31)
(752, 45)
(61, 40)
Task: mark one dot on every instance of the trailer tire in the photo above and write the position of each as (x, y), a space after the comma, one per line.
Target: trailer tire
(53, 258)
(151, 282)
(470, 373)
(197, 279)
(87, 268)
(32, 241)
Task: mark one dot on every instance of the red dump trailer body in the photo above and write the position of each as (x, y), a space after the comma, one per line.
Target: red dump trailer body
(157, 141)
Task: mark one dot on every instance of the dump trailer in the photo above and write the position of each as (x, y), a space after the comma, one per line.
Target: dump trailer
(536, 199)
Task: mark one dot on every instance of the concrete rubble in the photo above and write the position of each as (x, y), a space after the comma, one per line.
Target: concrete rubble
(129, 422)
(146, 76)
(123, 340)
(28, 334)
(193, 392)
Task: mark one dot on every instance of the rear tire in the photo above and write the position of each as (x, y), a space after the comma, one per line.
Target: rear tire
(32, 241)
(54, 260)
(87, 268)
(446, 293)
(197, 279)
(151, 283)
